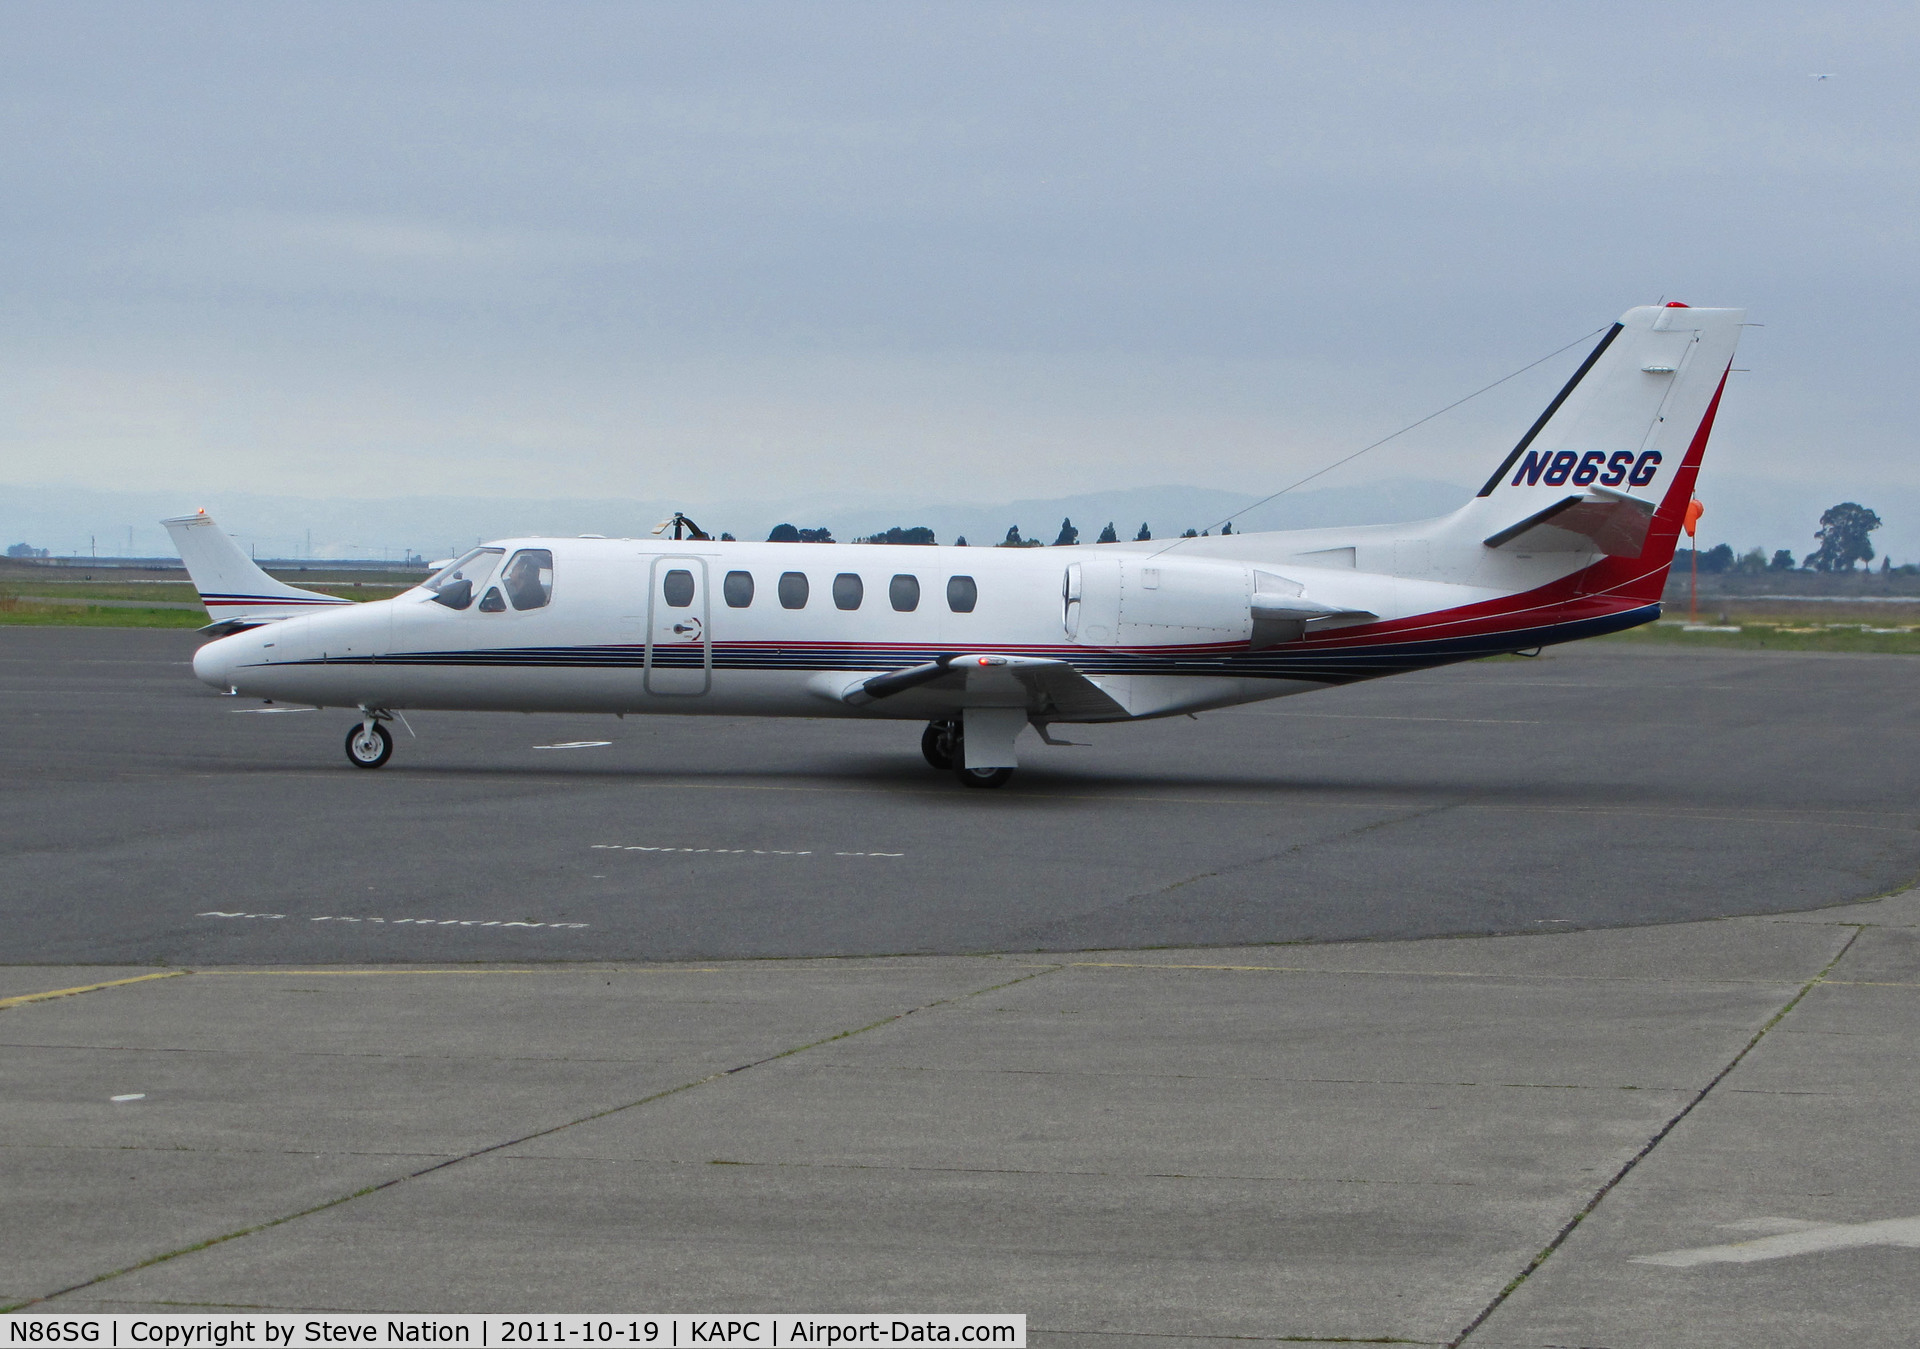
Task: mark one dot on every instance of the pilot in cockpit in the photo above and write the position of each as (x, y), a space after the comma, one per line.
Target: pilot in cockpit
(521, 580)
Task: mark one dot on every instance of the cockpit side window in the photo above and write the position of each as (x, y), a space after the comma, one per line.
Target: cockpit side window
(455, 584)
(493, 604)
(528, 579)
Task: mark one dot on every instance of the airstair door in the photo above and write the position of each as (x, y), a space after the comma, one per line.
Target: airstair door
(679, 660)
(1090, 601)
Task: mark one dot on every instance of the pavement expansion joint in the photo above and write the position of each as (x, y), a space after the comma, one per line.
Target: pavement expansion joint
(1041, 1336)
(528, 1137)
(572, 1158)
(215, 1151)
(243, 1051)
(1491, 976)
(1099, 1074)
(1660, 1136)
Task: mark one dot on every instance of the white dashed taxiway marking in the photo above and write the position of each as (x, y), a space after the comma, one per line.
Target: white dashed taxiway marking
(576, 744)
(502, 923)
(738, 852)
(1797, 1238)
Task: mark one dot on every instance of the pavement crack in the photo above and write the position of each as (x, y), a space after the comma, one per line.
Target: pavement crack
(1293, 848)
(361, 1193)
(1217, 873)
(1659, 1137)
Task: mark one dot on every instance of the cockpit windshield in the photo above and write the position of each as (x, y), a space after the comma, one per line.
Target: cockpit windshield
(455, 584)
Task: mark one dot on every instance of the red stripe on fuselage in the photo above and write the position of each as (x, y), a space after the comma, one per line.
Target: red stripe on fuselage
(1609, 586)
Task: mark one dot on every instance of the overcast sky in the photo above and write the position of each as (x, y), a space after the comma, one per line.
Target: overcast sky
(964, 251)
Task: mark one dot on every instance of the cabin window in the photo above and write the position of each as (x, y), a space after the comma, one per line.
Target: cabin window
(903, 593)
(677, 588)
(962, 594)
(493, 604)
(454, 584)
(738, 588)
(848, 591)
(793, 590)
(528, 579)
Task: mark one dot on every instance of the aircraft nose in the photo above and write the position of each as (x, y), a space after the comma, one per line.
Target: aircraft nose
(214, 663)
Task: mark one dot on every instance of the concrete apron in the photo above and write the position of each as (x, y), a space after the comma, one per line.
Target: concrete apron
(1687, 1135)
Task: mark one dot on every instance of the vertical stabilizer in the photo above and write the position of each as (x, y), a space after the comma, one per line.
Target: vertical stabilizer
(236, 592)
(1609, 466)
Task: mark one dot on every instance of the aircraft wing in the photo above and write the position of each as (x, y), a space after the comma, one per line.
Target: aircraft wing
(1597, 520)
(1045, 687)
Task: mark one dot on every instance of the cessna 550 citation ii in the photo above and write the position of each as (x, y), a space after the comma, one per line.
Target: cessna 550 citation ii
(1571, 537)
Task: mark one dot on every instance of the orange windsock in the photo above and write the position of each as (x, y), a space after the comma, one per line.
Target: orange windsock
(1692, 518)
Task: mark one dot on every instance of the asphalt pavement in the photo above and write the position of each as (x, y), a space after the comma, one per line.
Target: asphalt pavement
(143, 817)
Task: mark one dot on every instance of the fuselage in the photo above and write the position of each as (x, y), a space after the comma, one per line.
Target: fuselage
(687, 628)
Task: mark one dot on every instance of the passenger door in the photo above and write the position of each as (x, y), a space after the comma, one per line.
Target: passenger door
(679, 660)
(1092, 599)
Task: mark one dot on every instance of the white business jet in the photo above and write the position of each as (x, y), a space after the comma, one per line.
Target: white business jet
(1571, 537)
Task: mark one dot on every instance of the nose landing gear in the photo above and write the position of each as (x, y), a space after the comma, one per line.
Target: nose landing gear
(368, 744)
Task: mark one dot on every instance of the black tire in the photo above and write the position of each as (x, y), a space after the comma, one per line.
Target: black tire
(940, 743)
(369, 751)
(983, 777)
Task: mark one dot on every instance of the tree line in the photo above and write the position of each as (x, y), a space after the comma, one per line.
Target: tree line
(1068, 536)
(1843, 539)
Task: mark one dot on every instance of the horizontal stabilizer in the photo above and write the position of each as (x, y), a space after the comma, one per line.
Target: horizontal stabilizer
(226, 627)
(1597, 520)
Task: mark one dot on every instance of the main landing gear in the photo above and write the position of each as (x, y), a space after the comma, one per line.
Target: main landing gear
(940, 743)
(943, 744)
(368, 744)
(983, 777)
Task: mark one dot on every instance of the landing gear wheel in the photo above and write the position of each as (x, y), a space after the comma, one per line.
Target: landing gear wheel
(940, 743)
(983, 777)
(369, 747)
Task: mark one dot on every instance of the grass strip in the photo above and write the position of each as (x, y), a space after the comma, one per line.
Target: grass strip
(19, 613)
(1857, 638)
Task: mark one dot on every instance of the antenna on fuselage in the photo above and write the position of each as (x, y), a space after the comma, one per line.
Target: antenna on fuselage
(679, 523)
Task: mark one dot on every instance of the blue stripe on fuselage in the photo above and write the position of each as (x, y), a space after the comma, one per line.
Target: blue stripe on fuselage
(1295, 661)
